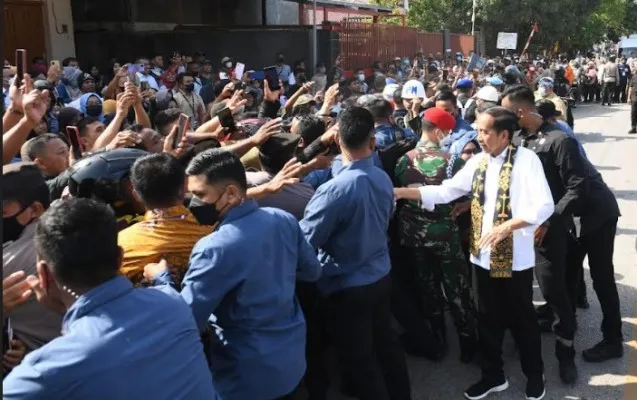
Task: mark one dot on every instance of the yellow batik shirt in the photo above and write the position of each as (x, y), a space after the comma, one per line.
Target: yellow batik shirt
(170, 234)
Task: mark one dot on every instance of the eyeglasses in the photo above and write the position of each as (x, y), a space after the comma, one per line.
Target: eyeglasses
(471, 151)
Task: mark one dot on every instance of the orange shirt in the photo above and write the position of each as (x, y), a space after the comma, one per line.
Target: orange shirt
(169, 234)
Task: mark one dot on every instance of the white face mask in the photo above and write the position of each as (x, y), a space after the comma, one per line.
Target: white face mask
(228, 65)
(361, 77)
(444, 140)
(543, 91)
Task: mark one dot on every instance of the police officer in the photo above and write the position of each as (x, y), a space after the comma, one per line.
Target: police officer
(432, 240)
(565, 172)
(386, 130)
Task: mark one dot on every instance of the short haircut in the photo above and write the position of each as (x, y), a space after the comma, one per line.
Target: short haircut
(485, 106)
(427, 126)
(310, 127)
(158, 179)
(24, 183)
(503, 120)
(199, 147)
(77, 238)
(165, 118)
(83, 124)
(520, 94)
(612, 58)
(36, 147)
(380, 108)
(180, 77)
(356, 127)
(398, 96)
(218, 165)
(68, 60)
(447, 95)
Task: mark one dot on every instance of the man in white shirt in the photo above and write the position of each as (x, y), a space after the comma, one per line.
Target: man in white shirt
(144, 74)
(511, 198)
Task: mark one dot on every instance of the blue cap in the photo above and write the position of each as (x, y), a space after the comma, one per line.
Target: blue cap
(389, 81)
(495, 81)
(464, 83)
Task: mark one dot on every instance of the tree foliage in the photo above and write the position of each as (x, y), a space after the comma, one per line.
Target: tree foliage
(574, 24)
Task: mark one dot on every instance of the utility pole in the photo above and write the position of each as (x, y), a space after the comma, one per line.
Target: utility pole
(314, 40)
(473, 18)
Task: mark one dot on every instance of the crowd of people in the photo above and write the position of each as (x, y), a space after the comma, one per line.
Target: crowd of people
(217, 231)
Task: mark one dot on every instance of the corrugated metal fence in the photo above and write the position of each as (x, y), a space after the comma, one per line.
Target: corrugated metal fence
(363, 43)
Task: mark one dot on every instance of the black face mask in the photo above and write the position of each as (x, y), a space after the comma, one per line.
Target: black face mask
(11, 228)
(281, 60)
(204, 213)
(190, 87)
(94, 110)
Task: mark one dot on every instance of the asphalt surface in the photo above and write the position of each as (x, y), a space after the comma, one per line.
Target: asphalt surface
(603, 130)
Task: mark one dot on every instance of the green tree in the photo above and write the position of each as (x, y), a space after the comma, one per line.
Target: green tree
(435, 15)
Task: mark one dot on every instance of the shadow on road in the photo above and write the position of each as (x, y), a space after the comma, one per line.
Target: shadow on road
(595, 137)
(626, 194)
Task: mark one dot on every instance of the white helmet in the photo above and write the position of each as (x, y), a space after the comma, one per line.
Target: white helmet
(388, 92)
(413, 89)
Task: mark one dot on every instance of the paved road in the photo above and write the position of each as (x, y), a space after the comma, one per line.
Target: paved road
(603, 130)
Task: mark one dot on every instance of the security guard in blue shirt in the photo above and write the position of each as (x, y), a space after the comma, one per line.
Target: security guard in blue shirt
(245, 273)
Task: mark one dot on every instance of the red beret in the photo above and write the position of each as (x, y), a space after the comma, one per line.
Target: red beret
(440, 118)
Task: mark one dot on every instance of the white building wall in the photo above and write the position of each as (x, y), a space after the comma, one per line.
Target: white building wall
(58, 14)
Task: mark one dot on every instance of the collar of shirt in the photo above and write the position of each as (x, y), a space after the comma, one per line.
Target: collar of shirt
(240, 211)
(500, 156)
(96, 297)
(428, 145)
(175, 212)
(364, 163)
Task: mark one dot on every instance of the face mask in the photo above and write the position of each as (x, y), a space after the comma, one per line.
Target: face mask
(94, 110)
(11, 228)
(361, 77)
(190, 87)
(445, 141)
(228, 65)
(204, 213)
(281, 60)
(543, 91)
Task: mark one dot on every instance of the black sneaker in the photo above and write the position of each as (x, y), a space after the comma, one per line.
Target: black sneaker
(603, 351)
(568, 371)
(634, 130)
(535, 388)
(485, 387)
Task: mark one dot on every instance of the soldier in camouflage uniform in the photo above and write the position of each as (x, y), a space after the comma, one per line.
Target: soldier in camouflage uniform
(432, 240)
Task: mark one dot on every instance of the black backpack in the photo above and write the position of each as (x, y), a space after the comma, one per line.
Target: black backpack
(390, 155)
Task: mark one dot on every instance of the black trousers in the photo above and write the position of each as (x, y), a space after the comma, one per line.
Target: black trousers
(316, 375)
(599, 245)
(633, 112)
(608, 92)
(368, 348)
(507, 303)
(550, 271)
(621, 92)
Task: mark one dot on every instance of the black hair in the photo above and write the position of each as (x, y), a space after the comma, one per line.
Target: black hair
(446, 95)
(68, 60)
(218, 165)
(165, 118)
(158, 179)
(77, 238)
(82, 124)
(199, 147)
(35, 147)
(356, 127)
(398, 96)
(520, 94)
(485, 105)
(503, 120)
(181, 76)
(310, 128)
(612, 58)
(218, 87)
(380, 108)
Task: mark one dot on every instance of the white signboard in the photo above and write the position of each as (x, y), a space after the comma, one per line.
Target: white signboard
(507, 41)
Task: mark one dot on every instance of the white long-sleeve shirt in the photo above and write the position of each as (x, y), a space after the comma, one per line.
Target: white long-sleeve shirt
(531, 200)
